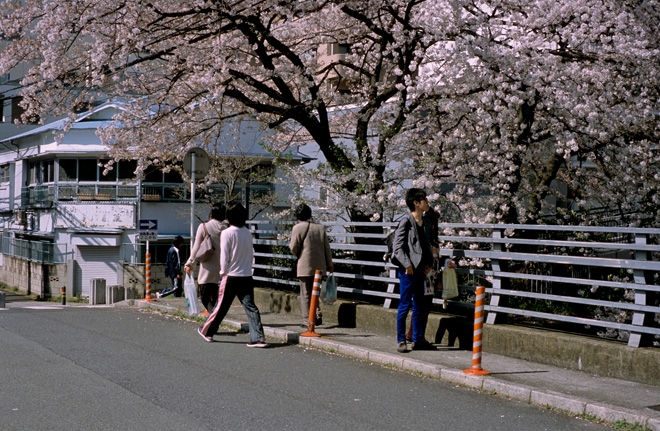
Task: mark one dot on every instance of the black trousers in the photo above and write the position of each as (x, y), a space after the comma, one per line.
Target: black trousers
(209, 295)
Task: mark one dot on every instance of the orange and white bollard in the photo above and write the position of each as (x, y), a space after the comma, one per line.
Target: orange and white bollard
(147, 274)
(478, 332)
(313, 305)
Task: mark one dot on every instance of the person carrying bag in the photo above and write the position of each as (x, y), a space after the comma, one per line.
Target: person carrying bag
(208, 276)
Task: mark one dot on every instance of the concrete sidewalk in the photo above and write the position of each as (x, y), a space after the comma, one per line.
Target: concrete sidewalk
(578, 393)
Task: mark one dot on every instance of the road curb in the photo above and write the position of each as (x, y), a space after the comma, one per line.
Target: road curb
(489, 384)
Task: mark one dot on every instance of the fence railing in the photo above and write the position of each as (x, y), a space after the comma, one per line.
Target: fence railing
(36, 251)
(602, 280)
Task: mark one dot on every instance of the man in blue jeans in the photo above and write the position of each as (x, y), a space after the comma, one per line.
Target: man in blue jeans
(411, 252)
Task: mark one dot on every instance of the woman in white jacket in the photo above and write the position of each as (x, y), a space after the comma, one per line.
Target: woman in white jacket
(209, 270)
(236, 254)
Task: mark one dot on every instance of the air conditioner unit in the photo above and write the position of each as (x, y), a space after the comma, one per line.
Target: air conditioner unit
(20, 217)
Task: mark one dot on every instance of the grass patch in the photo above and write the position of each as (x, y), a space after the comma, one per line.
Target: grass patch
(587, 417)
(74, 299)
(626, 426)
(175, 313)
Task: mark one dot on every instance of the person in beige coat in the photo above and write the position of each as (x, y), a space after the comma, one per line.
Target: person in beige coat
(309, 242)
(209, 270)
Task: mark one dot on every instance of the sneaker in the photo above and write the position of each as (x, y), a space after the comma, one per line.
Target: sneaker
(158, 295)
(402, 347)
(207, 339)
(257, 344)
(319, 320)
(423, 345)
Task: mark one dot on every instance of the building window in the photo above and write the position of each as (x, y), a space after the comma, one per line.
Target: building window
(33, 176)
(339, 48)
(172, 177)
(4, 174)
(68, 169)
(49, 171)
(155, 175)
(126, 169)
(87, 169)
(111, 175)
(325, 198)
(91, 170)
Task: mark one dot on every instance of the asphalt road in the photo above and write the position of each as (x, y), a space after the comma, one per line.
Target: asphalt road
(123, 369)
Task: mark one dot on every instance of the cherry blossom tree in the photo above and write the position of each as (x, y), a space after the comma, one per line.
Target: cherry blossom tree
(506, 100)
(549, 93)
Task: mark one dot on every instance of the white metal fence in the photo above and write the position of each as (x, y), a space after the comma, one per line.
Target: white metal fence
(589, 277)
(36, 251)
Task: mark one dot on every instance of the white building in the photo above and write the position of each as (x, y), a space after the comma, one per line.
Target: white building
(57, 207)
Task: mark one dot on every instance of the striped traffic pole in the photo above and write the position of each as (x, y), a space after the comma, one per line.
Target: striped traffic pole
(478, 332)
(147, 274)
(313, 304)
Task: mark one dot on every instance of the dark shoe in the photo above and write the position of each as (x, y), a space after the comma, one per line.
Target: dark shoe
(207, 339)
(423, 345)
(319, 320)
(402, 347)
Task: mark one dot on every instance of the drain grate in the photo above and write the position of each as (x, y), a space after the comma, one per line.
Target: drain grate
(656, 407)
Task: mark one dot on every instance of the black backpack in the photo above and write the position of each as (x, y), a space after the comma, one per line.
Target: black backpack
(389, 241)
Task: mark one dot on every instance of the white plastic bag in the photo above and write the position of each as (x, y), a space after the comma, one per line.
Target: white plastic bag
(449, 284)
(329, 290)
(190, 291)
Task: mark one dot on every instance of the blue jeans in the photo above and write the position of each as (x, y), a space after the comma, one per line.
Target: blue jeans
(411, 290)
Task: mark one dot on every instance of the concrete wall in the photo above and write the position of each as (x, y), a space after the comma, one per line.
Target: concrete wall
(134, 277)
(33, 277)
(47, 280)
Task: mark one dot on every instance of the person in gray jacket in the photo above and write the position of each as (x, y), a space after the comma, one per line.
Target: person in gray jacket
(309, 242)
(411, 252)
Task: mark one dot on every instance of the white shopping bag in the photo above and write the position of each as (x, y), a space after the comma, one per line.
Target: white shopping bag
(449, 284)
(191, 295)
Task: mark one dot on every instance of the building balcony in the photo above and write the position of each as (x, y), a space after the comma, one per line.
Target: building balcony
(44, 196)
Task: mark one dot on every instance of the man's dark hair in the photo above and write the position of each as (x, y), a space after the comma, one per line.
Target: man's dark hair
(303, 212)
(177, 241)
(236, 214)
(218, 212)
(413, 195)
